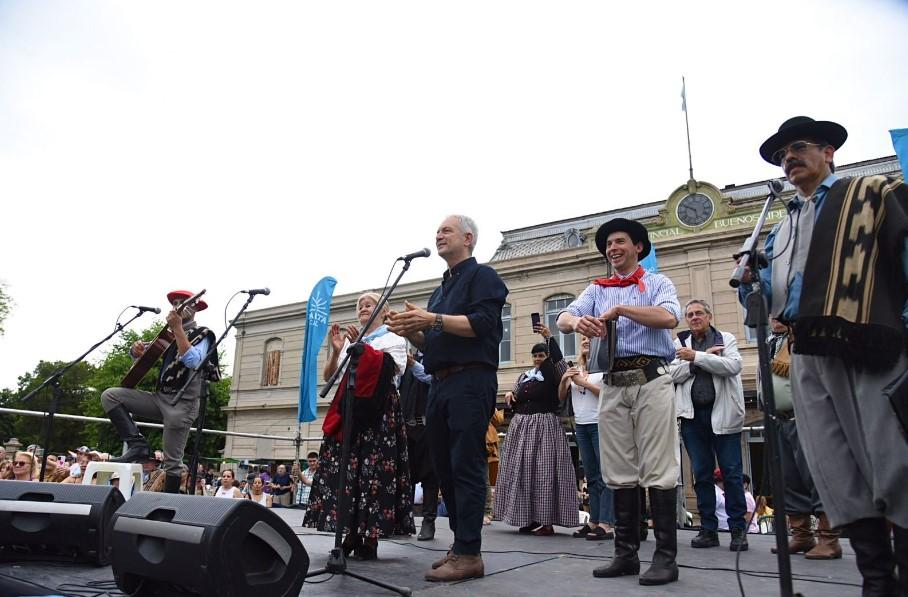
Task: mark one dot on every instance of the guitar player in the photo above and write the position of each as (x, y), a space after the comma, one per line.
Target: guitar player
(190, 345)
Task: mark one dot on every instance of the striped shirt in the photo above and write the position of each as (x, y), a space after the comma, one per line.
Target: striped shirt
(634, 338)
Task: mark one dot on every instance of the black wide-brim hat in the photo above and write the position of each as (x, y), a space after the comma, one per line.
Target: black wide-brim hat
(803, 127)
(634, 229)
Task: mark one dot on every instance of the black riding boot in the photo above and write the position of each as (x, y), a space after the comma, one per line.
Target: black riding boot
(429, 511)
(172, 483)
(644, 516)
(137, 448)
(873, 550)
(664, 506)
(627, 536)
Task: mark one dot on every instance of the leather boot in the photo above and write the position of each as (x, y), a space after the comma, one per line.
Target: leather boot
(663, 504)
(801, 536)
(137, 448)
(901, 557)
(426, 530)
(828, 547)
(870, 540)
(172, 483)
(458, 567)
(627, 536)
(644, 518)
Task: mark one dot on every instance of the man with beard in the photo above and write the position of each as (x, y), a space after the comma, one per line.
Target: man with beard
(191, 344)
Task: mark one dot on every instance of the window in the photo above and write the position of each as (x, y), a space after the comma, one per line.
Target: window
(553, 306)
(504, 349)
(271, 369)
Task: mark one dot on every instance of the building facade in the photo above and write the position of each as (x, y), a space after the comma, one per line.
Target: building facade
(695, 231)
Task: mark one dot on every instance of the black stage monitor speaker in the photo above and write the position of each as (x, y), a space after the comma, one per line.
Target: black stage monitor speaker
(56, 521)
(167, 544)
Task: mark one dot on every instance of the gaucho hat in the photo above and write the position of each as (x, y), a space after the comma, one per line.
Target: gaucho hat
(635, 230)
(803, 127)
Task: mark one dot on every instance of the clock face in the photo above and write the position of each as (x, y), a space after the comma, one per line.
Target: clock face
(695, 210)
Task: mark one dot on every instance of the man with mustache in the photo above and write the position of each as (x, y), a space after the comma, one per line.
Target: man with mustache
(638, 434)
(838, 273)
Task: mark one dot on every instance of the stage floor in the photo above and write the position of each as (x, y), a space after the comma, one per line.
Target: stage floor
(517, 565)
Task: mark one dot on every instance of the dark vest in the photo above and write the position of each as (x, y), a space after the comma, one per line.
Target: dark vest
(174, 373)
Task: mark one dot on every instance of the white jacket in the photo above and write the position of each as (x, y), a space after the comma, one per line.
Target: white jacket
(725, 368)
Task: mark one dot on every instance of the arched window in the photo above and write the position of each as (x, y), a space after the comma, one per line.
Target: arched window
(271, 368)
(504, 349)
(553, 306)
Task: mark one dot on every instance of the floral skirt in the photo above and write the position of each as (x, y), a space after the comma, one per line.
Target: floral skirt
(377, 484)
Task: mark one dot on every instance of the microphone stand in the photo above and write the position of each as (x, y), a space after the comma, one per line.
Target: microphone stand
(758, 317)
(203, 397)
(57, 394)
(337, 562)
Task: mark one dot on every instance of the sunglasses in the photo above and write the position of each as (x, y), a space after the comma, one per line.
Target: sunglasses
(795, 147)
(18, 463)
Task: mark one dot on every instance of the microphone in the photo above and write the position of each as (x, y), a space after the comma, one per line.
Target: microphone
(415, 254)
(775, 187)
(255, 291)
(146, 309)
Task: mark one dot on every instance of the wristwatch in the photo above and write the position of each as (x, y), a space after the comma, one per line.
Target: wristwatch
(439, 323)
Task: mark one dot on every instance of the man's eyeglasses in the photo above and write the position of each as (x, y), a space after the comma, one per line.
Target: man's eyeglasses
(795, 147)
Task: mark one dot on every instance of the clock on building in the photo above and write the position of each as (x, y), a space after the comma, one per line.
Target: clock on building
(695, 210)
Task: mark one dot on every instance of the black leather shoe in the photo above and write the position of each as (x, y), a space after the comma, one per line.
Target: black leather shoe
(600, 534)
(738, 540)
(426, 531)
(619, 567)
(582, 532)
(705, 538)
(528, 530)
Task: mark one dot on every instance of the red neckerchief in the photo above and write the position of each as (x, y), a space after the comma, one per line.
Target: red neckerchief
(616, 280)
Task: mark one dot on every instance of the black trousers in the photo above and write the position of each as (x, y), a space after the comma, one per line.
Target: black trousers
(422, 470)
(801, 495)
(457, 418)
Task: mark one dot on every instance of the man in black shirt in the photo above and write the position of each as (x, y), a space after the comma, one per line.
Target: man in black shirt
(459, 333)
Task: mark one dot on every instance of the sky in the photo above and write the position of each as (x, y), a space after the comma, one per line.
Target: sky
(149, 146)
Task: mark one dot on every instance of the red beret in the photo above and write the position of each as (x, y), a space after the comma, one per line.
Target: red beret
(185, 294)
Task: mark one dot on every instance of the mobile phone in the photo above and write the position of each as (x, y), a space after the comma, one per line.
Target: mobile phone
(535, 318)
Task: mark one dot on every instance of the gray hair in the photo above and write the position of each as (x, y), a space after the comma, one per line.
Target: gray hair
(467, 224)
(700, 302)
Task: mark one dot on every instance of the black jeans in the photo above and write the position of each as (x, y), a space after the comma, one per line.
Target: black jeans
(457, 418)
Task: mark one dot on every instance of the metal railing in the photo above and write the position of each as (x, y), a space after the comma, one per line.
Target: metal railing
(35, 413)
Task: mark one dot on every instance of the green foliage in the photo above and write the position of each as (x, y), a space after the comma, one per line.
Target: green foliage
(5, 303)
(81, 394)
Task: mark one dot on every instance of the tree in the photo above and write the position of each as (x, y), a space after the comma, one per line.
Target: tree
(5, 303)
(75, 387)
(82, 387)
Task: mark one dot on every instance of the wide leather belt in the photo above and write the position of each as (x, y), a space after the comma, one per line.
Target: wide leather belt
(449, 371)
(653, 368)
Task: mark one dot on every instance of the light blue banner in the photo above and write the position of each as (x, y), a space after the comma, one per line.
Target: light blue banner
(318, 309)
(649, 262)
(900, 142)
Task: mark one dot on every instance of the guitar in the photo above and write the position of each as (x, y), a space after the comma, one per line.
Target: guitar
(156, 349)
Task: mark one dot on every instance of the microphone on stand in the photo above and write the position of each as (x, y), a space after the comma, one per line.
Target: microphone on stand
(415, 254)
(775, 188)
(146, 309)
(255, 291)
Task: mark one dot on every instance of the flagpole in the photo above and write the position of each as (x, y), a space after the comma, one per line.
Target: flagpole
(690, 161)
